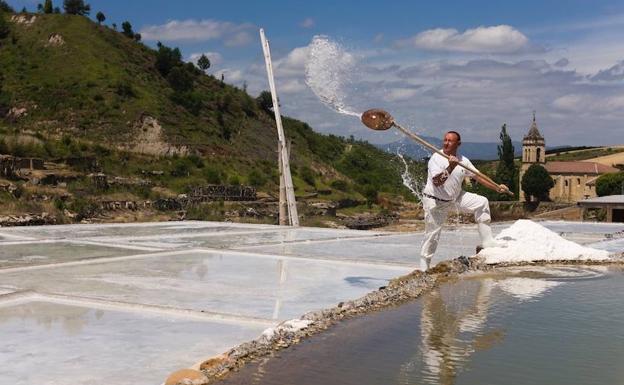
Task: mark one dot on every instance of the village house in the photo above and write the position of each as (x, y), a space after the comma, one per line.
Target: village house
(574, 181)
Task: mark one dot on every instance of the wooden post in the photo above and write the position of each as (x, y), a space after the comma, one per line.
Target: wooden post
(283, 156)
(283, 207)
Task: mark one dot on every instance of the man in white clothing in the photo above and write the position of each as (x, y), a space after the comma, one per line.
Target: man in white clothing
(443, 191)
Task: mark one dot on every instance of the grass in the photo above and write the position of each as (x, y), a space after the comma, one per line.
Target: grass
(584, 154)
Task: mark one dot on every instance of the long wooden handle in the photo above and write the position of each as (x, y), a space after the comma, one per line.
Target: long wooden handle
(437, 151)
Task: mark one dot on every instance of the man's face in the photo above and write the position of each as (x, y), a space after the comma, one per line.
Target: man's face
(450, 143)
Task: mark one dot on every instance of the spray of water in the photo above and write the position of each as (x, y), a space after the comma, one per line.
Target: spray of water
(328, 73)
(415, 185)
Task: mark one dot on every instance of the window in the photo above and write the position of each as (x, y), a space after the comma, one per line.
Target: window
(578, 182)
(539, 152)
(565, 183)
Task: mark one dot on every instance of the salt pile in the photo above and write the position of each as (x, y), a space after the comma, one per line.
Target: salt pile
(528, 241)
(289, 326)
(526, 288)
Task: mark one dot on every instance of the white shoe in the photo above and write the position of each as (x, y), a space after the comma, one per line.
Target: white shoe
(424, 264)
(487, 240)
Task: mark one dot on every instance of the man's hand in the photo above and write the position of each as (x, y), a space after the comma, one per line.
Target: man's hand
(502, 188)
(453, 162)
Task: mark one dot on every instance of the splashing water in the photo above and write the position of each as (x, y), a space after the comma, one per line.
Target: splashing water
(327, 73)
(415, 185)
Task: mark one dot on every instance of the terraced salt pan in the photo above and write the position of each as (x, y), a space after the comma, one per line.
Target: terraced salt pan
(403, 249)
(239, 239)
(49, 343)
(29, 253)
(223, 282)
(127, 229)
(529, 241)
(614, 245)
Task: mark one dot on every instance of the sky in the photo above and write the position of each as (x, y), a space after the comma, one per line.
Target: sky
(470, 66)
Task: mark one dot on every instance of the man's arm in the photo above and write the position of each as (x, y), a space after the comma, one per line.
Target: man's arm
(499, 188)
(439, 179)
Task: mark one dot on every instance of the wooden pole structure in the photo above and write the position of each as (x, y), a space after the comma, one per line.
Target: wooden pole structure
(283, 155)
(283, 207)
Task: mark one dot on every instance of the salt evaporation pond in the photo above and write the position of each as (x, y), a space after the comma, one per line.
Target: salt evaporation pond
(553, 325)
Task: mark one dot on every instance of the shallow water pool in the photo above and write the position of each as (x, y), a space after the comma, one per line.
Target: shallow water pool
(556, 325)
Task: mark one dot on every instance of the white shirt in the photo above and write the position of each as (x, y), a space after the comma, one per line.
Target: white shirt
(450, 189)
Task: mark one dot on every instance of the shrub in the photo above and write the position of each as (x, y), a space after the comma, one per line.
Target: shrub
(196, 160)
(610, 184)
(190, 100)
(124, 89)
(181, 167)
(307, 175)
(371, 195)
(180, 79)
(4, 26)
(212, 175)
(339, 184)
(256, 178)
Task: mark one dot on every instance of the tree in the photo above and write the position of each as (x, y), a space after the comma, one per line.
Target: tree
(203, 62)
(167, 58)
(137, 37)
(4, 26)
(180, 79)
(100, 17)
(265, 102)
(126, 29)
(40, 8)
(4, 98)
(610, 184)
(76, 7)
(506, 169)
(48, 7)
(5, 7)
(536, 183)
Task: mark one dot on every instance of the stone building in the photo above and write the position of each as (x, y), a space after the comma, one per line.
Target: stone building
(574, 181)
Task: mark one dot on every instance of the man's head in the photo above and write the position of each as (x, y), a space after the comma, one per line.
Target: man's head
(451, 142)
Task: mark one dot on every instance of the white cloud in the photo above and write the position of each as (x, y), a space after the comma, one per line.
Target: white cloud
(591, 103)
(614, 73)
(307, 23)
(399, 94)
(474, 93)
(293, 63)
(496, 39)
(232, 76)
(214, 57)
(238, 39)
(291, 86)
(199, 30)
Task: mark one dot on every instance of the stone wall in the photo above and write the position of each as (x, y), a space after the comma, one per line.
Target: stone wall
(222, 192)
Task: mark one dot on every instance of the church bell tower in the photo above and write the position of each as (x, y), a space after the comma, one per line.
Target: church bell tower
(533, 151)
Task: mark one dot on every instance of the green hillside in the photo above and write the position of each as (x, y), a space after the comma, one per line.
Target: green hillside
(71, 88)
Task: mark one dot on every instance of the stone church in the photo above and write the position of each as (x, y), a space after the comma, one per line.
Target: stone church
(574, 181)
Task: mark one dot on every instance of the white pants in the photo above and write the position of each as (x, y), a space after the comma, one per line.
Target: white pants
(437, 211)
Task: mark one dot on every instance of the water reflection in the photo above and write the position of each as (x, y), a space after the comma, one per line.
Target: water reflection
(281, 273)
(475, 330)
(452, 329)
(72, 319)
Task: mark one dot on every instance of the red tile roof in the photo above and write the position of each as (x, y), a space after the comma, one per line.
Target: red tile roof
(578, 168)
